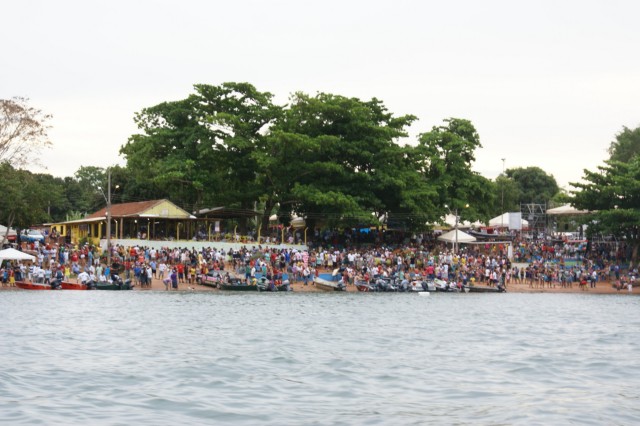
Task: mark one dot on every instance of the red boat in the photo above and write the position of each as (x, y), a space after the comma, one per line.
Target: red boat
(72, 286)
(363, 285)
(32, 286)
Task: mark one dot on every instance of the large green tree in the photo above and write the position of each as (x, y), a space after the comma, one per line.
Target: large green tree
(612, 193)
(24, 200)
(447, 154)
(626, 145)
(337, 159)
(199, 151)
(507, 198)
(534, 184)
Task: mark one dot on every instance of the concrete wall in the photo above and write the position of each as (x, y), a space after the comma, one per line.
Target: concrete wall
(196, 244)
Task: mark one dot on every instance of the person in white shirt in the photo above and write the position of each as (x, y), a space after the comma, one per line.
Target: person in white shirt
(161, 269)
(83, 277)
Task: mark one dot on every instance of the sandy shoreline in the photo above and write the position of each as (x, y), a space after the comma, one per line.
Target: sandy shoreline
(603, 287)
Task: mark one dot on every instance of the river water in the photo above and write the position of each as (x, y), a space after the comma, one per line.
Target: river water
(155, 358)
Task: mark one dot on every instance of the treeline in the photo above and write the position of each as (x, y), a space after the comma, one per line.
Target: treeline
(334, 160)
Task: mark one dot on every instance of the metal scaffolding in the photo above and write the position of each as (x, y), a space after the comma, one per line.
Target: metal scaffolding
(536, 215)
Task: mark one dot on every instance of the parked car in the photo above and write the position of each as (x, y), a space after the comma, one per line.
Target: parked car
(32, 235)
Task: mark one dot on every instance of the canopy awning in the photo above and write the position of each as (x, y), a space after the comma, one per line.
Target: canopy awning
(13, 254)
(566, 210)
(462, 237)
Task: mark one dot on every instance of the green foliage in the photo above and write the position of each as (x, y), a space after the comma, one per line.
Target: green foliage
(626, 146)
(509, 189)
(445, 156)
(534, 184)
(337, 159)
(24, 200)
(613, 194)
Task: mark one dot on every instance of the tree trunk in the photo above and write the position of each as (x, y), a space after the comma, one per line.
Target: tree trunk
(268, 206)
(12, 216)
(634, 255)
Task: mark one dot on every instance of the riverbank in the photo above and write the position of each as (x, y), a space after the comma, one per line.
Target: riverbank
(603, 287)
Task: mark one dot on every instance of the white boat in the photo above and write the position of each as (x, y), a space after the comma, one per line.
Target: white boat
(323, 284)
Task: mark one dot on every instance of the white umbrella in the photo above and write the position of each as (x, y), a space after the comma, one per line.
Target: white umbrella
(13, 254)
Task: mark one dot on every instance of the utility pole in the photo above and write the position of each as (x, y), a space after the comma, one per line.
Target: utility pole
(502, 203)
(109, 218)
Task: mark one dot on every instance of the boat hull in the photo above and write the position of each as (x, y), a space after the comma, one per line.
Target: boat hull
(327, 285)
(238, 287)
(32, 286)
(113, 287)
(73, 286)
(363, 286)
(482, 289)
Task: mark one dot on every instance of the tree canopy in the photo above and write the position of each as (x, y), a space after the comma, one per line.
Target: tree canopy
(23, 130)
(334, 160)
(613, 194)
(534, 184)
(445, 157)
(626, 146)
(325, 157)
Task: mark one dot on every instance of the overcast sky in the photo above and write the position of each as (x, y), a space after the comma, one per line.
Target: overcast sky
(546, 83)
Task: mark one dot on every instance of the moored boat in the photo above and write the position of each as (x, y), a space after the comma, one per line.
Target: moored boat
(33, 286)
(115, 286)
(328, 285)
(485, 289)
(65, 285)
(238, 287)
(363, 285)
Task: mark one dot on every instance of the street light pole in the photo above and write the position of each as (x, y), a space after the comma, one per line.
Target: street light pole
(455, 246)
(455, 229)
(502, 203)
(109, 218)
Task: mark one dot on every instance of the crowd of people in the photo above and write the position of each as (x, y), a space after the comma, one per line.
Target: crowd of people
(539, 264)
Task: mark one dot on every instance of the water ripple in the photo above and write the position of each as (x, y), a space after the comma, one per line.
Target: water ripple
(105, 358)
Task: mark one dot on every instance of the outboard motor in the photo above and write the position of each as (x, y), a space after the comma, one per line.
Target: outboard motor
(262, 284)
(404, 286)
(502, 288)
(90, 285)
(286, 285)
(56, 284)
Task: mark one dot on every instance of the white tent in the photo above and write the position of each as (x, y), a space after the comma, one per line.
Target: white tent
(565, 210)
(503, 220)
(463, 237)
(13, 254)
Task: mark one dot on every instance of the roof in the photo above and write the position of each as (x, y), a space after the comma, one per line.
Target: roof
(566, 210)
(126, 209)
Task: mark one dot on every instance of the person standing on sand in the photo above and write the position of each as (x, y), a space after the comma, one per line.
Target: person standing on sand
(174, 279)
(161, 269)
(306, 273)
(150, 275)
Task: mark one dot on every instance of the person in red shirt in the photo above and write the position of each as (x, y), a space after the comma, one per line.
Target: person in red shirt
(180, 268)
